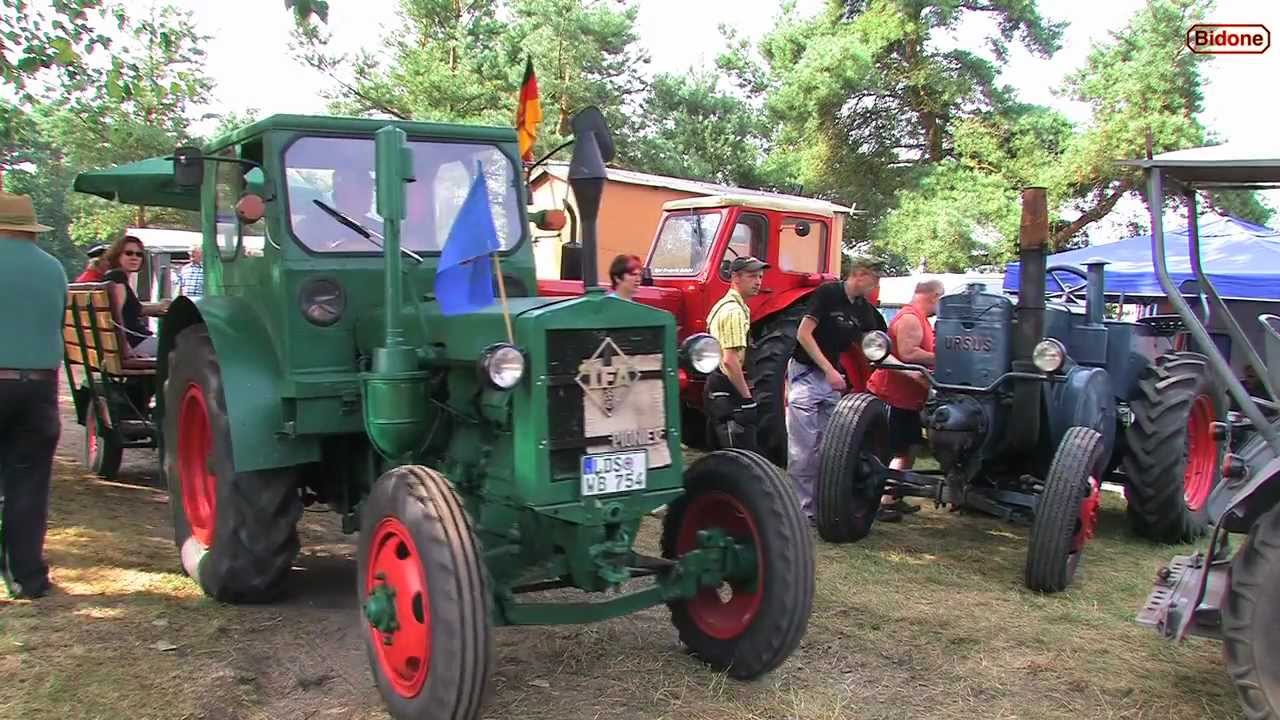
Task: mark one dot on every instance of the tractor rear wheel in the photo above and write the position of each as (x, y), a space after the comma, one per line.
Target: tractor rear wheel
(424, 600)
(743, 628)
(846, 499)
(1067, 513)
(767, 362)
(1172, 462)
(1251, 620)
(102, 455)
(236, 531)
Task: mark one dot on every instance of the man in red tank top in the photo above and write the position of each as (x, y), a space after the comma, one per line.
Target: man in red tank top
(905, 392)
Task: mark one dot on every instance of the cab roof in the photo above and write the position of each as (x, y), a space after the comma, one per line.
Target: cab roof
(768, 202)
(1229, 165)
(361, 126)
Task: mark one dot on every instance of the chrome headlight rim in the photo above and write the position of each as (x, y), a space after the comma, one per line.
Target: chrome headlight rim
(876, 346)
(1049, 355)
(497, 376)
(698, 351)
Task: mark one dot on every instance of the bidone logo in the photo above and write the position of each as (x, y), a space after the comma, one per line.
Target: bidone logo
(1228, 39)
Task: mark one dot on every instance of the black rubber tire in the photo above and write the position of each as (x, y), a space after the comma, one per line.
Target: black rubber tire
(767, 372)
(102, 457)
(1251, 620)
(846, 503)
(786, 553)
(1154, 467)
(1051, 563)
(462, 653)
(255, 537)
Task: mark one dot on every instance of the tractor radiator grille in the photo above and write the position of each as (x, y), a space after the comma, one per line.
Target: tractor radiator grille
(566, 350)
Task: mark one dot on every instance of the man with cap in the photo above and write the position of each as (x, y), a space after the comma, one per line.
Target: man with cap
(727, 396)
(95, 270)
(838, 314)
(30, 424)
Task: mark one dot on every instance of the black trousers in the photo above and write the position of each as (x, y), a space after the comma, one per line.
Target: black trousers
(29, 430)
(733, 424)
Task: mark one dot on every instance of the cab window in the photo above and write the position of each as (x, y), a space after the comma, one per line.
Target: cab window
(748, 238)
(802, 254)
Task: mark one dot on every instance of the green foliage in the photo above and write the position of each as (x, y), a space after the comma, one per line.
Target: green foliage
(55, 39)
(1242, 204)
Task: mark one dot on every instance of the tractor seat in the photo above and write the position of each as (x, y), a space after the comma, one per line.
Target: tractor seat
(1163, 325)
(138, 363)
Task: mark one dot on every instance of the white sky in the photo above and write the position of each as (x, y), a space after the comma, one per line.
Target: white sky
(249, 57)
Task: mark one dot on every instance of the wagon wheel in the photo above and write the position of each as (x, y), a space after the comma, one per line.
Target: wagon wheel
(746, 626)
(424, 600)
(102, 454)
(1067, 513)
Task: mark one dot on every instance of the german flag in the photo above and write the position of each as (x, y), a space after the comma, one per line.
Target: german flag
(529, 113)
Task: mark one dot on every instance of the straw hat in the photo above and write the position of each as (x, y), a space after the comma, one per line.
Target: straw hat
(17, 213)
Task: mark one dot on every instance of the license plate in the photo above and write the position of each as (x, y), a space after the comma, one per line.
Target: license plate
(614, 472)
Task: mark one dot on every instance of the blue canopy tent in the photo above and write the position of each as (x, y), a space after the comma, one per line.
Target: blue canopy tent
(1241, 258)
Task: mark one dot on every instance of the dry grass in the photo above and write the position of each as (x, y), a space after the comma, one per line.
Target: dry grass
(927, 618)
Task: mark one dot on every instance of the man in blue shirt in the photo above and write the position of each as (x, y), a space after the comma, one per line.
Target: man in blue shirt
(30, 424)
(191, 277)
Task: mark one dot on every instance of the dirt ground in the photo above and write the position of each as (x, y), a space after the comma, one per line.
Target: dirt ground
(927, 618)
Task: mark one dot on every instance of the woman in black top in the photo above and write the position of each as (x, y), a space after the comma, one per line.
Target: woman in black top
(125, 258)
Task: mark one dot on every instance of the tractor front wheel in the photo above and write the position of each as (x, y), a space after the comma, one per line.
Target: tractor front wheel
(236, 531)
(1172, 461)
(423, 598)
(847, 498)
(1067, 513)
(744, 627)
(1251, 620)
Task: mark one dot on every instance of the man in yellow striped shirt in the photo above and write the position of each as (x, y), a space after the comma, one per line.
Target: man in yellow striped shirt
(727, 396)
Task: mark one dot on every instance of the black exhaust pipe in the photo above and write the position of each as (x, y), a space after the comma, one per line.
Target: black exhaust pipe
(1033, 237)
(592, 148)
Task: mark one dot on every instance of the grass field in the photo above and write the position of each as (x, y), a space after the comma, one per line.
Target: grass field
(927, 618)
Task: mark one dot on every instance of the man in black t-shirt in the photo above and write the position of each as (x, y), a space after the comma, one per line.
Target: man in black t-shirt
(837, 316)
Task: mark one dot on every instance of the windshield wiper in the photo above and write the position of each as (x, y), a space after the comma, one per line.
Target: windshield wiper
(359, 229)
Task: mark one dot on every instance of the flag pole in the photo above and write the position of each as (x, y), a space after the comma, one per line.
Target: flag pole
(502, 292)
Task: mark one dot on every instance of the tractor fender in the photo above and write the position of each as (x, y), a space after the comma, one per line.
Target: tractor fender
(252, 381)
(775, 304)
(1084, 399)
(1238, 503)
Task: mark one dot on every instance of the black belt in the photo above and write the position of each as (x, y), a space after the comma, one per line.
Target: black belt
(11, 374)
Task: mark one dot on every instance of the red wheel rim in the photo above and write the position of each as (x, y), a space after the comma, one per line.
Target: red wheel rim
(1201, 453)
(1088, 522)
(720, 617)
(199, 486)
(404, 655)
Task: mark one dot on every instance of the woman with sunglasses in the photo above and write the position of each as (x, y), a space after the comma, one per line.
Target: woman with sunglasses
(124, 257)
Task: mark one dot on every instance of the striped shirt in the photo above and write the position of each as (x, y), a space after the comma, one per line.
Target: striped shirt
(729, 322)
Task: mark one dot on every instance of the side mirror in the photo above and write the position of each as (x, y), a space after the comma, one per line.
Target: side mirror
(553, 220)
(188, 167)
(802, 228)
(250, 208)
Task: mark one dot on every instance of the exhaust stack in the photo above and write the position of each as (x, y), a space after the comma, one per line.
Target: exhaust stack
(592, 148)
(1033, 238)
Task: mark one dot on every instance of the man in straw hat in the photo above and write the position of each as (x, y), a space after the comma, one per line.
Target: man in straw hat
(33, 293)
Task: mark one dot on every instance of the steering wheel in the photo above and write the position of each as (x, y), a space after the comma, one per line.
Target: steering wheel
(1066, 291)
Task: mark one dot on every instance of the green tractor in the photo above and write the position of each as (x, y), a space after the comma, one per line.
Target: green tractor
(486, 444)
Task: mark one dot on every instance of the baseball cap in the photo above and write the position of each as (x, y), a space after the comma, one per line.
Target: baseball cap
(867, 262)
(96, 250)
(747, 264)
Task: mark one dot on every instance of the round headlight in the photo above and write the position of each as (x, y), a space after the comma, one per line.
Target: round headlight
(1049, 355)
(875, 345)
(703, 353)
(504, 366)
(322, 301)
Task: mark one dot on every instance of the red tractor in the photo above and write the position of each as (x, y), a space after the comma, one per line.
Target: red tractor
(686, 272)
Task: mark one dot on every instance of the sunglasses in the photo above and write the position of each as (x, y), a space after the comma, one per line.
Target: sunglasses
(131, 253)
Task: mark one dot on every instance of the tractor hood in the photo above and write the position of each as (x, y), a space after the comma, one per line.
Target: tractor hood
(663, 298)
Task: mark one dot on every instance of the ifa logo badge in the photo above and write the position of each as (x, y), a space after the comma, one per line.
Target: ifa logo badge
(607, 376)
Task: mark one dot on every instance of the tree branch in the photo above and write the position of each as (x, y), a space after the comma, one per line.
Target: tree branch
(1093, 214)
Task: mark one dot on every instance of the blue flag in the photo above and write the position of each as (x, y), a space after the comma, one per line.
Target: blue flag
(464, 280)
